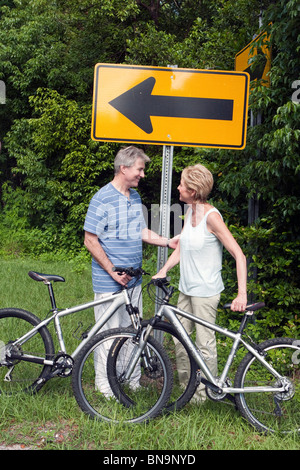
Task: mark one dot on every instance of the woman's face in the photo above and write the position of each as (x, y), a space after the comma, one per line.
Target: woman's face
(185, 195)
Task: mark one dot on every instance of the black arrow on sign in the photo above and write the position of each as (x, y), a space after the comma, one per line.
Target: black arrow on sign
(138, 104)
(260, 64)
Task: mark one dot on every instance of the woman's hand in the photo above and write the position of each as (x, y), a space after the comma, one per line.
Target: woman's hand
(160, 275)
(239, 304)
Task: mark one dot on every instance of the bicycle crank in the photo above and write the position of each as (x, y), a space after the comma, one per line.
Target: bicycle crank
(216, 395)
(62, 365)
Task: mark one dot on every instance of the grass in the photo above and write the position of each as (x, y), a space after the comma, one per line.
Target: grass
(52, 420)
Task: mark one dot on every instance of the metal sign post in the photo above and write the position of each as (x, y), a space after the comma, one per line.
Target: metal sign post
(164, 219)
(165, 202)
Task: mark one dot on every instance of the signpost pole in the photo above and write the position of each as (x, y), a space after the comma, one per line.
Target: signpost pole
(165, 202)
(164, 219)
(164, 215)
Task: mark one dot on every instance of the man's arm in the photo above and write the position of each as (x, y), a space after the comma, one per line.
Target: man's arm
(92, 244)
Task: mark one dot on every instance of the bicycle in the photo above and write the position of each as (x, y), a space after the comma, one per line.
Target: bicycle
(28, 358)
(266, 389)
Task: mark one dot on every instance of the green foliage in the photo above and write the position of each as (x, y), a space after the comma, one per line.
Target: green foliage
(50, 167)
(268, 171)
(274, 260)
(60, 168)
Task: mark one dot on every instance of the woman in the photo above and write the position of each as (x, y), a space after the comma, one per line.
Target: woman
(200, 255)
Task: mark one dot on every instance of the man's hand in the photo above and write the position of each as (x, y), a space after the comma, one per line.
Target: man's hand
(92, 244)
(122, 279)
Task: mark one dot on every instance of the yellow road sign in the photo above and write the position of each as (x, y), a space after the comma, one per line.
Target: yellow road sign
(243, 59)
(170, 106)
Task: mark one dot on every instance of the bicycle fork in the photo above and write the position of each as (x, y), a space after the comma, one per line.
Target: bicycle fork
(138, 351)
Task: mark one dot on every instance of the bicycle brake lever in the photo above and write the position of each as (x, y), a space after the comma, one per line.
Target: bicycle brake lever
(133, 272)
(161, 281)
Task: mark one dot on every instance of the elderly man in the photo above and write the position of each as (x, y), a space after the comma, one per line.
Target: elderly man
(114, 231)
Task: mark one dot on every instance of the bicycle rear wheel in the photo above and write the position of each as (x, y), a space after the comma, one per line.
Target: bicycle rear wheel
(271, 411)
(98, 379)
(17, 375)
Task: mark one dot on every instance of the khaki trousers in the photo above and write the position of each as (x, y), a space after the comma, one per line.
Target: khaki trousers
(120, 319)
(205, 308)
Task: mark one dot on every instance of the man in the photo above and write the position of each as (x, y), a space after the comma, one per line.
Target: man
(114, 231)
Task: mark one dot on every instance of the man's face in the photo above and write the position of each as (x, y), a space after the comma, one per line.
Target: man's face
(133, 174)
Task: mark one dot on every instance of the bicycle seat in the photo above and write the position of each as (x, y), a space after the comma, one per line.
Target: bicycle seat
(45, 277)
(250, 307)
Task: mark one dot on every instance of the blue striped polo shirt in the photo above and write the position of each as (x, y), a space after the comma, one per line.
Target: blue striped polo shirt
(118, 222)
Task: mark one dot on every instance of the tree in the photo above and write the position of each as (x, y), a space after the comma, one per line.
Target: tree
(268, 170)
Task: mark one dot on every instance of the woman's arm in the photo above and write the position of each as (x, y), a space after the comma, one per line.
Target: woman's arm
(216, 226)
(172, 261)
(152, 238)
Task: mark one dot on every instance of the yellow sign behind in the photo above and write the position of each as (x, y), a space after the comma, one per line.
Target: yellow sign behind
(243, 59)
(170, 106)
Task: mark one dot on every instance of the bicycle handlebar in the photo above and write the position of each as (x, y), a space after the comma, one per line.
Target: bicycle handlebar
(130, 271)
(249, 307)
(164, 284)
(161, 281)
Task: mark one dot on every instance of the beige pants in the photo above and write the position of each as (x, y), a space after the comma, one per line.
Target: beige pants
(205, 308)
(120, 319)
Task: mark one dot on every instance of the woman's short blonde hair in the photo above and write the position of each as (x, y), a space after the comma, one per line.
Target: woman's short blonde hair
(199, 179)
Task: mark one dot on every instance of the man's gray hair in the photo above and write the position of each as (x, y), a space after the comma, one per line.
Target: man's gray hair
(128, 156)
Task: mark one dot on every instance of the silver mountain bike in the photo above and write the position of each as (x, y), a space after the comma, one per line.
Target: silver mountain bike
(28, 358)
(266, 383)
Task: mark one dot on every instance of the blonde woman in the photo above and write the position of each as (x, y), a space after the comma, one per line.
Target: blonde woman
(200, 255)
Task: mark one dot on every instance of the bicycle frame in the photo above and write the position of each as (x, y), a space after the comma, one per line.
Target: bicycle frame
(117, 299)
(217, 384)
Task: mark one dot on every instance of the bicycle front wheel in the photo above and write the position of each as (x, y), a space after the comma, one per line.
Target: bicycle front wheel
(165, 333)
(16, 374)
(271, 411)
(100, 387)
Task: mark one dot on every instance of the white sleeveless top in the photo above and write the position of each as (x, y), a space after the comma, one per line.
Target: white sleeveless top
(200, 259)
